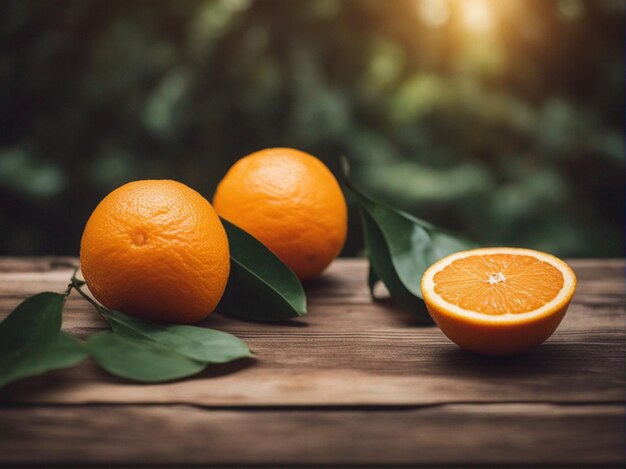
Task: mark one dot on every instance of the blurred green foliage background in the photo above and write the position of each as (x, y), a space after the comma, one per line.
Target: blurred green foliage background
(503, 119)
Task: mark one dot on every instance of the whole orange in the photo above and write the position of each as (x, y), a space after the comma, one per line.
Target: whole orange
(291, 202)
(156, 250)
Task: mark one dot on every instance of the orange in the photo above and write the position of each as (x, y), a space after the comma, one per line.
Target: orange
(291, 202)
(498, 301)
(156, 250)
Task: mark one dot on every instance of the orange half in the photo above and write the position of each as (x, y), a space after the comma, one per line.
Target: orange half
(498, 301)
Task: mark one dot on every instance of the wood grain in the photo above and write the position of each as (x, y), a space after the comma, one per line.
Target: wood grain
(487, 434)
(356, 353)
(354, 381)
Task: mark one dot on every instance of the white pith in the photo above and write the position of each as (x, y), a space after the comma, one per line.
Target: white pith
(497, 278)
(569, 282)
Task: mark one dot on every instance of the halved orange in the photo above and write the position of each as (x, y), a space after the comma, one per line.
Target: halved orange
(498, 301)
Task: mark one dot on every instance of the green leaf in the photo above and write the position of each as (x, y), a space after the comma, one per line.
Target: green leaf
(198, 343)
(67, 351)
(400, 249)
(381, 261)
(140, 359)
(413, 244)
(372, 280)
(28, 334)
(260, 286)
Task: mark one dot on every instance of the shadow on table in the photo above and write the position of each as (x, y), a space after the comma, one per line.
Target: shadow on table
(402, 316)
(295, 322)
(318, 285)
(543, 359)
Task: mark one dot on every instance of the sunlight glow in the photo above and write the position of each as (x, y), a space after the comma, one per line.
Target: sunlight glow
(472, 16)
(434, 13)
(477, 15)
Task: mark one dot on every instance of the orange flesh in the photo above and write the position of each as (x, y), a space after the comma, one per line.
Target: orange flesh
(499, 283)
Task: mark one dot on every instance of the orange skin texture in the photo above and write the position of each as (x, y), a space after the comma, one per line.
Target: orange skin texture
(496, 339)
(157, 250)
(291, 202)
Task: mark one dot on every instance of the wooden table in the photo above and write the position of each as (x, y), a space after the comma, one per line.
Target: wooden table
(353, 382)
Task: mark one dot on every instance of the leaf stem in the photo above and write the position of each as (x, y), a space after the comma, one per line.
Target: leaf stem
(70, 285)
(76, 284)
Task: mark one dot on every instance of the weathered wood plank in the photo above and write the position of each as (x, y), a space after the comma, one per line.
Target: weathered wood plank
(344, 282)
(355, 353)
(353, 382)
(350, 374)
(80, 317)
(342, 287)
(156, 435)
